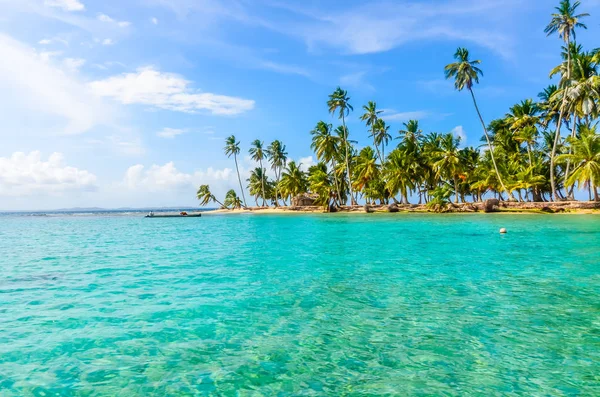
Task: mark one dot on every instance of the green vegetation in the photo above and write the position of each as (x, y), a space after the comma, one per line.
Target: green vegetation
(523, 156)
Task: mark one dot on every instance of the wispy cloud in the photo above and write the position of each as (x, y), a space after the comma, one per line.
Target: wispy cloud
(356, 80)
(170, 133)
(392, 115)
(67, 5)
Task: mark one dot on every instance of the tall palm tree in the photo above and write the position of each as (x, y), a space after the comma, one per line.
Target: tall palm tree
(448, 162)
(326, 146)
(232, 148)
(523, 121)
(257, 153)
(278, 157)
(563, 22)
(370, 117)
(205, 196)
(586, 161)
(465, 72)
(340, 102)
(366, 170)
(410, 131)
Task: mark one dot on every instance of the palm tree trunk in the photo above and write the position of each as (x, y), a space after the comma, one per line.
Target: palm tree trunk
(529, 154)
(590, 190)
(263, 184)
(568, 169)
(276, 187)
(560, 120)
(490, 146)
(240, 180)
(347, 160)
(218, 202)
(595, 189)
(455, 190)
(337, 185)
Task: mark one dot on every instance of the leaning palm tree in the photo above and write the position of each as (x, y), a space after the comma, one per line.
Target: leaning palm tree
(340, 102)
(563, 22)
(257, 153)
(233, 148)
(205, 196)
(465, 72)
(232, 200)
(381, 137)
(586, 161)
(278, 157)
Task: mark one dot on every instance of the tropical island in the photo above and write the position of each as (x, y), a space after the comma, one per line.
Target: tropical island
(533, 158)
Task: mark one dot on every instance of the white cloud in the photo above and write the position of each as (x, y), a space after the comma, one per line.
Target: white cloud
(73, 64)
(45, 41)
(45, 56)
(105, 18)
(67, 5)
(392, 115)
(28, 174)
(107, 42)
(33, 85)
(167, 91)
(156, 178)
(306, 162)
(459, 132)
(170, 133)
(154, 21)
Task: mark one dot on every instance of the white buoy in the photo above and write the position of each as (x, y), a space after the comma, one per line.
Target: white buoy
(502, 231)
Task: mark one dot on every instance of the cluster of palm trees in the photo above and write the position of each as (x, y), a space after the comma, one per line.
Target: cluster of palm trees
(523, 155)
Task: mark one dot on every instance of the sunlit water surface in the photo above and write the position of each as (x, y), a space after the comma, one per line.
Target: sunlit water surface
(382, 305)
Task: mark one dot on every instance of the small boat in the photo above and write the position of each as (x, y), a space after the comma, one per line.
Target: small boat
(181, 215)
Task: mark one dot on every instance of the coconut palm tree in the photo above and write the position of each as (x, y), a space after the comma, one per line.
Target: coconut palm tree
(232, 148)
(340, 102)
(447, 161)
(586, 161)
(232, 200)
(381, 137)
(370, 117)
(326, 147)
(465, 73)
(563, 22)
(293, 181)
(410, 131)
(523, 121)
(319, 183)
(257, 153)
(256, 184)
(205, 196)
(366, 169)
(278, 157)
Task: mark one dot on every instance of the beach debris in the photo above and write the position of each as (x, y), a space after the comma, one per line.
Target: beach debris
(503, 231)
(393, 207)
(368, 209)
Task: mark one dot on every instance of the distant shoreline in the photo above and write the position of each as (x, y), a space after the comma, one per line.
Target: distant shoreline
(566, 207)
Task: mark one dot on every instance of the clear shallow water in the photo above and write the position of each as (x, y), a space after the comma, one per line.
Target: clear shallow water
(300, 305)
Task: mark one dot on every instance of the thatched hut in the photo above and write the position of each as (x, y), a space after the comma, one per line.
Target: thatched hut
(304, 200)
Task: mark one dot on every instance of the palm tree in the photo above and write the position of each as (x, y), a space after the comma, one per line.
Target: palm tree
(233, 148)
(339, 102)
(465, 72)
(523, 120)
(257, 153)
(448, 162)
(293, 181)
(205, 196)
(278, 157)
(319, 183)
(256, 184)
(586, 161)
(370, 117)
(563, 22)
(366, 170)
(381, 137)
(232, 200)
(326, 146)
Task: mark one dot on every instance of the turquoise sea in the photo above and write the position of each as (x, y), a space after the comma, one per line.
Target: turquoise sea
(300, 305)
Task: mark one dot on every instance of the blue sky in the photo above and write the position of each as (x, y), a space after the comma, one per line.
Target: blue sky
(127, 103)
